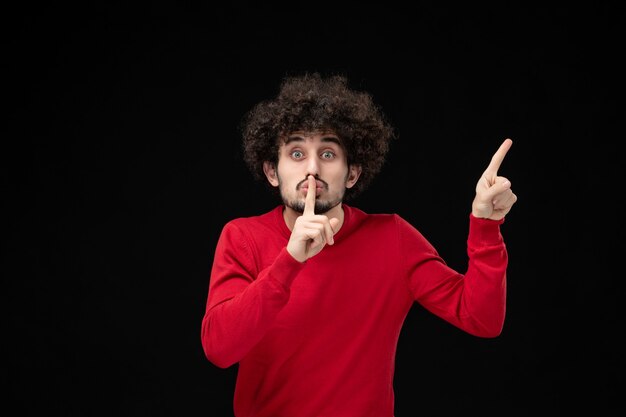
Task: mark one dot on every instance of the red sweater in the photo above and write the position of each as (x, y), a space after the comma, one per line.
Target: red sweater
(319, 338)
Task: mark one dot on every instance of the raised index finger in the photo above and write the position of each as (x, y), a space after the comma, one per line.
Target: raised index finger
(498, 157)
(309, 202)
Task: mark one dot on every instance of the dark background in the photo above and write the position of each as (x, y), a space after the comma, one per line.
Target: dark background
(122, 162)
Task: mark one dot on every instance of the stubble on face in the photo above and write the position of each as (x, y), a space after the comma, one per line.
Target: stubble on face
(321, 206)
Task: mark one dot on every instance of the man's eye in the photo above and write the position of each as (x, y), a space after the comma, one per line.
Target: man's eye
(328, 155)
(296, 154)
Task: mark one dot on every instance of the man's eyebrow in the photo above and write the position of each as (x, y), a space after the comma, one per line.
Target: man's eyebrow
(331, 139)
(296, 138)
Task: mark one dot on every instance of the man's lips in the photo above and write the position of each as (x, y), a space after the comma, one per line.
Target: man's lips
(318, 189)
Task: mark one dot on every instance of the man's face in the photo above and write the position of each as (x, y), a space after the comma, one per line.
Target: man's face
(312, 153)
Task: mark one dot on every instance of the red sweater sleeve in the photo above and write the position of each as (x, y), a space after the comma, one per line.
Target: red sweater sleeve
(243, 302)
(474, 301)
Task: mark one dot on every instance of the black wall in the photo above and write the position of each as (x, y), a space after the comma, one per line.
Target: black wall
(122, 161)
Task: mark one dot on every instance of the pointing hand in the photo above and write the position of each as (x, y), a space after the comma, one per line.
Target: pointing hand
(494, 197)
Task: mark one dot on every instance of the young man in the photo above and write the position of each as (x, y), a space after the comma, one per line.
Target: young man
(310, 297)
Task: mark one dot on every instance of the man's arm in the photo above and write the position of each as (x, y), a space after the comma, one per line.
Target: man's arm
(474, 301)
(242, 303)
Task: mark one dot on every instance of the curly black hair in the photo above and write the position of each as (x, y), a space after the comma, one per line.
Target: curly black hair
(311, 102)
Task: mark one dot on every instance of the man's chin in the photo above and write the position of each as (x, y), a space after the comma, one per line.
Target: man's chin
(298, 207)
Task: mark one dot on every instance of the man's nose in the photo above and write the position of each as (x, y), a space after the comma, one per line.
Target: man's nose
(313, 167)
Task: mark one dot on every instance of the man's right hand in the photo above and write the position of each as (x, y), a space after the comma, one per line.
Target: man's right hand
(311, 232)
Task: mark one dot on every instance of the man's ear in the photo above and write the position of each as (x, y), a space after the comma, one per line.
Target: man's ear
(269, 168)
(354, 172)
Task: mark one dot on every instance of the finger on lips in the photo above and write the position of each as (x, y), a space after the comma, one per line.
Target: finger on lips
(309, 203)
